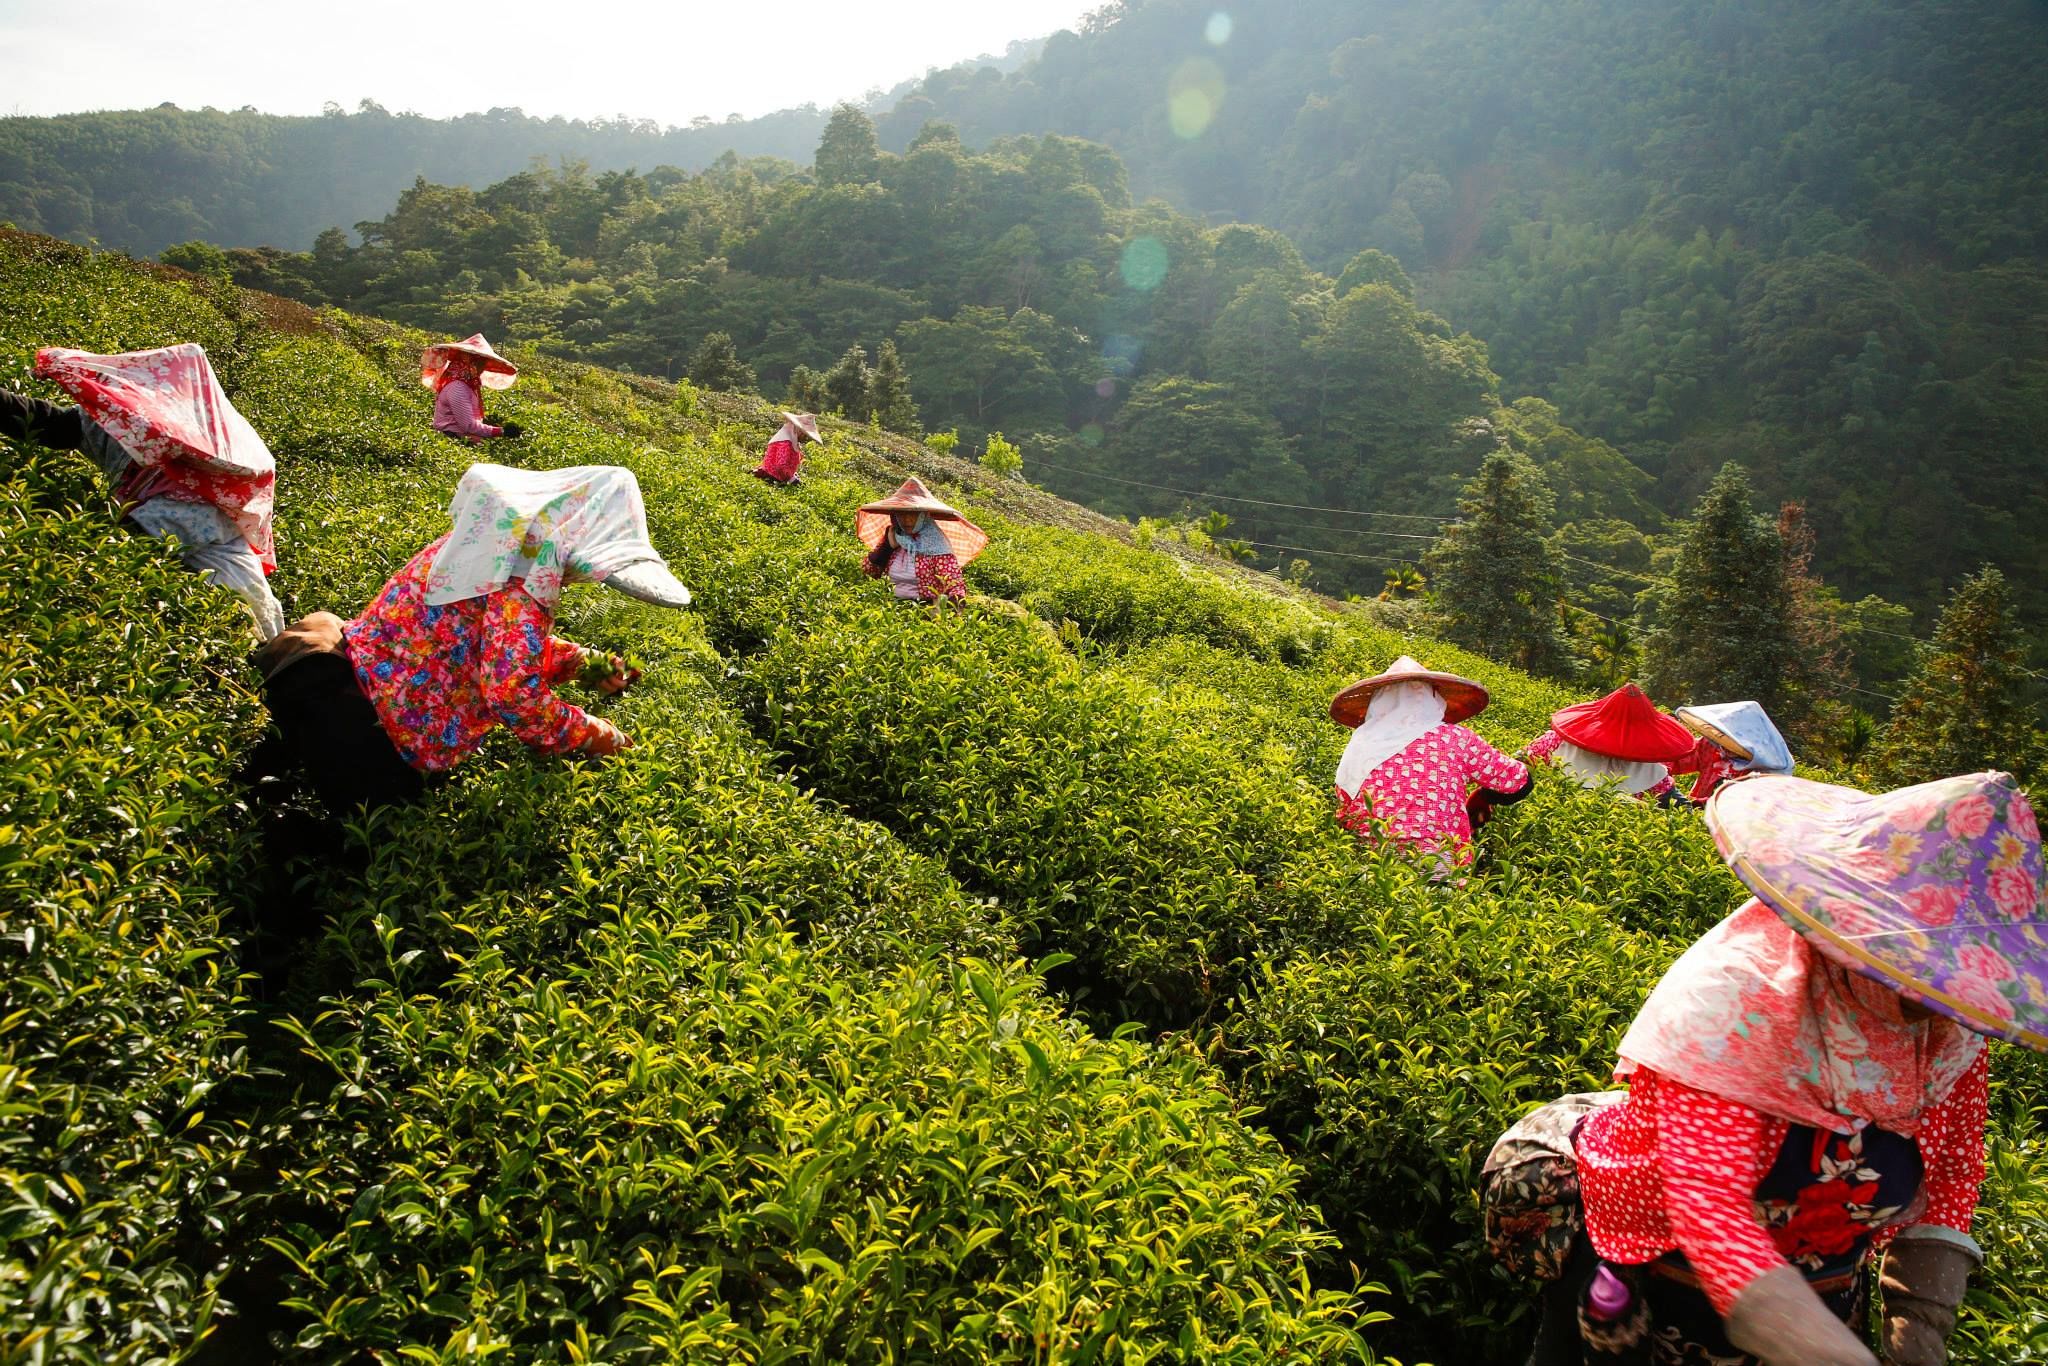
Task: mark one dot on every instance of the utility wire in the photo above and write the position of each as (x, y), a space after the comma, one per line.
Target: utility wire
(1432, 539)
(1231, 498)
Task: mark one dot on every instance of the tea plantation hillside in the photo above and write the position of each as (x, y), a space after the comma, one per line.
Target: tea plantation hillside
(962, 985)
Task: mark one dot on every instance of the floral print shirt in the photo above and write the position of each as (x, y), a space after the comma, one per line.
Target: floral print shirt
(931, 577)
(1418, 796)
(459, 412)
(442, 677)
(1677, 1169)
(1711, 763)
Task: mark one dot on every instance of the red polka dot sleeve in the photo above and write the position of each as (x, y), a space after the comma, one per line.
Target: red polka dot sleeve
(1710, 1155)
(1952, 1148)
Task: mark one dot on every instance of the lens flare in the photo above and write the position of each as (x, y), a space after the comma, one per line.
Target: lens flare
(1217, 30)
(1105, 387)
(1144, 263)
(1091, 434)
(1194, 97)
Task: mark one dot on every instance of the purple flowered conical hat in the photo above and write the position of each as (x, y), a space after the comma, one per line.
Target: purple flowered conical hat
(1935, 890)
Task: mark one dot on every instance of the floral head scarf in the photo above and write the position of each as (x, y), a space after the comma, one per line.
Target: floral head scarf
(541, 527)
(1755, 1014)
(458, 367)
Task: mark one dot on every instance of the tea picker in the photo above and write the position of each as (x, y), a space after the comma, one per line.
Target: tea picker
(183, 462)
(459, 641)
(918, 544)
(1806, 1092)
(1734, 737)
(1408, 765)
(784, 455)
(1620, 744)
(458, 373)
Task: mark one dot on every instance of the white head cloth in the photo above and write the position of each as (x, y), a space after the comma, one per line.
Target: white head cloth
(543, 527)
(1588, 769)
(1398, 715)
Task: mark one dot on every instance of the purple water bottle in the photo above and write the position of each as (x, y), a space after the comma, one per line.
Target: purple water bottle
(1608, 1297)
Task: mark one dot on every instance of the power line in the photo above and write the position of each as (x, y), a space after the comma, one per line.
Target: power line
(1232, 498)
(1340, 554)
(1432, 539)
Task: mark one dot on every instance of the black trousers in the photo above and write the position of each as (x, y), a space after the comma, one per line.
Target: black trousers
(47, 424)
(331, 731)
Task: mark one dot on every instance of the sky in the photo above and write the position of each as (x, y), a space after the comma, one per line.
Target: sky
(669, 62)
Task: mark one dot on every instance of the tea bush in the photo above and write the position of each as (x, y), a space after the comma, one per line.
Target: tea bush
(1108, 822)
(1121, 595)
(1392, 1066)
(684, 1150)
(120, 1006)
(723, 1049)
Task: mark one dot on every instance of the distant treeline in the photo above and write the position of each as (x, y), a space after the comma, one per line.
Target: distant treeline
(1810, 239)
(140, 180)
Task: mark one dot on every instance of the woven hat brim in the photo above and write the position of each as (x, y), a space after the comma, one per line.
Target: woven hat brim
(1700, 726)
(1463, 698)
(871, 523)
(499, 373)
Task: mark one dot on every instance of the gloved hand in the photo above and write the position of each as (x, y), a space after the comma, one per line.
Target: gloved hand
(605, 739)
(509, 431)
(608, 674)
(1926, 1272)
(1779, 1320)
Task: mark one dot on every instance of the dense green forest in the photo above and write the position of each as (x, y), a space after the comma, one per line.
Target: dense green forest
(1633, 241)
(1130, 350)
(139, 180)
(1805, 237)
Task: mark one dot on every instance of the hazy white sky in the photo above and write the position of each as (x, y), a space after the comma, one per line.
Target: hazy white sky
(579, 58)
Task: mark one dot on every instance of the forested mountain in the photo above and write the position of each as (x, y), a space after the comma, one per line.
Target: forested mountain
(1025, 294)
(1645, 238)
(1808, 237)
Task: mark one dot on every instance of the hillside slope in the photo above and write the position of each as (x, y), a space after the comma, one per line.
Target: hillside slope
(734, 1049)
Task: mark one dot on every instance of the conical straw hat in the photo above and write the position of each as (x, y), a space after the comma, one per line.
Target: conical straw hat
(871, 522)
(1933, 890)
(498, 372)
(1463, 698)
(1625, 725)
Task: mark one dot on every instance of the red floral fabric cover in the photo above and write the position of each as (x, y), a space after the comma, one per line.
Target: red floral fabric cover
(169, 412)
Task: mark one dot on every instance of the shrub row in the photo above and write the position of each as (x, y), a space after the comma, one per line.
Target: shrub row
(120, 1004)
(666, 1059)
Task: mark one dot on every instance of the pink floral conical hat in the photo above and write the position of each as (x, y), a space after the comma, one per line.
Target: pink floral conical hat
(1934, 891)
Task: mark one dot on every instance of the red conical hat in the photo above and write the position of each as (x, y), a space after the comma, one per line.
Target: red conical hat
(498, 372)
(1624, 725)
(872, 520)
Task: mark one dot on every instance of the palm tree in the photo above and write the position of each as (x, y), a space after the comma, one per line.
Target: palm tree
(1403, 581)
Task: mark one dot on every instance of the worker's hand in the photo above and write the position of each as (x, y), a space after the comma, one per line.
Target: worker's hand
(510, 431)
(608, 674)
(1778, 1319)
(605, 739)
